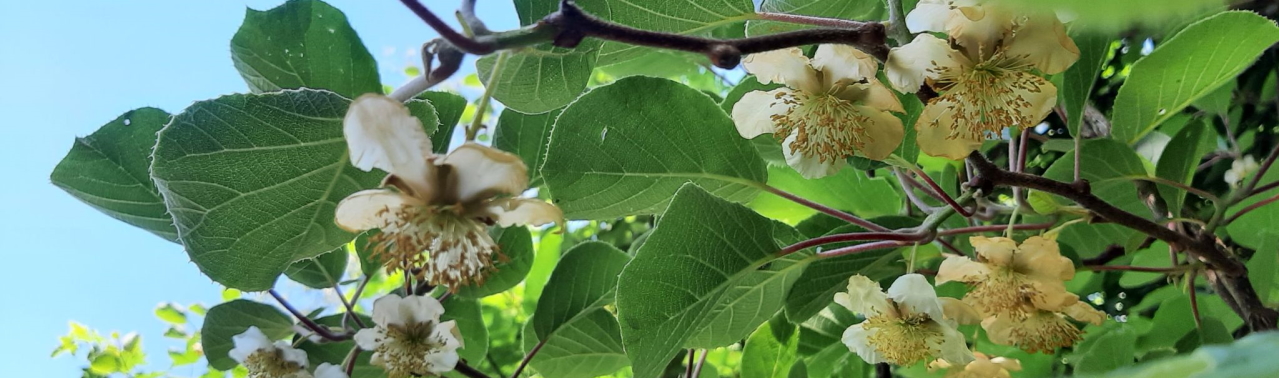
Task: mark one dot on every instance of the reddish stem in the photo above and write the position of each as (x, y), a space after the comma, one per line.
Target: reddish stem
(850, 218)
(863, 248)
(995, 228)
(856, 236)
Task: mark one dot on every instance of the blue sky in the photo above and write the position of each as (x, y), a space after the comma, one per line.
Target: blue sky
(68, 68)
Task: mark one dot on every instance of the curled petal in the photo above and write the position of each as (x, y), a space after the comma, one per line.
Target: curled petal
(786, 66)
(864, 297)
(327, 370)
(959, 311)
(811, 167)
(923, 58)
(382, 134)
(421, 309)
(1042, 41)
(753, 114)
(857, 338)
(386, 311)
(933, 132)
(996, 251)
(290, 354)
(884, 133)
(913, 292)
(959, 268)
(929, 16)
(953, 347)
(1085, 313)
(439, 362)
(1041, 259)
(248, 342)
(508, 212)
(451, 335)
(370, 209)
(483, 172)
(843, 63)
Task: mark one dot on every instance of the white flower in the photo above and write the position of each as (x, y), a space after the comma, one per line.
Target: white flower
(904, 326)
(327, 370)
(832, 108)
(409, 339)
(1241, 169)
(266, 360)
(987, 73)
(439, 205)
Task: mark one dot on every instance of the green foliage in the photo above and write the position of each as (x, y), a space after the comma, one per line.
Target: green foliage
(1106, 164)
(233, 318)
(526, 136)
(690, 17)
(765, 356)
(849, 10)
(321, 272)
(303, 44)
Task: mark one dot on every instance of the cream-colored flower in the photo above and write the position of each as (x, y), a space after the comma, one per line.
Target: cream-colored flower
(1241, 169)
(266, 360)
(409, 339)
(1011, 278)
(327, 370)
(982, 367)
(429, 204)
(903, 326)
(987, 73)
(832, 107)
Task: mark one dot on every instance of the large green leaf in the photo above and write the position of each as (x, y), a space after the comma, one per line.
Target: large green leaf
(470, 323)
(517, 258)
(320, 272)
(848, 190)
(767, 357)
(1104, 163)
(1180, 159)
(526, 136)
(303, 44)
(1078, 80)
(1250, 357)
(825, 277)
(1255, 228)
(691, 17)
(110, 170)
(623, 149)
(588, 346)
(1116, 15)
(448, 108)
(842, 9)
(1202, 57)
(821, 344)
(243, 221)
(584, 280)
(541, 78)
(701, 284)
(233, 318)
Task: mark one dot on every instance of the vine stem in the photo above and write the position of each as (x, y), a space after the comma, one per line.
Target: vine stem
(850, 218)
(469, 371)
(940, 193)
(480, 110)
(697, 370)
(1251, 207)
(528, 357)
(310, 324)
(350, 308)
(897, 22)
(856, 236)
(350, 360)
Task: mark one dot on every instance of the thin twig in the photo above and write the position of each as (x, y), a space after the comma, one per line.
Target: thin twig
(1261, 171)
(850, 218)
(697, 371)
(350, 308)
(528, 357)
(996, 228)
(856, 236)
(310, 324)
(350, 360)
(897, 22)
(1129, 268)
(469, 371)
(1252, 207)
(688, 369)
(942, 193)
(863, 248)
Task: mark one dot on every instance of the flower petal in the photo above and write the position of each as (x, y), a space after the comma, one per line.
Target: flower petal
(753, 114)
(977, 28)
(251, 340)
(420, 309)
(999, 329)
(508, 212)
(1039, 92)
(1051, 295)
(1085, 313)
(907, 66)
(1042, 41)
(864, 297)
(843, 63)
(382, 134)
(913, 292)
(953, 347)
(291, 354)
(959, 268)
(386, 311)
(811, 167)
(928, 16)
(327, 370)
(370, 209)
(1041, 259)
(996, 251)
(933, 130)
(785, 66)
(370, 338)
(857, 338)
(483, 172)
(873, 94)
(451, 335)
(884, 132)
(958, 311)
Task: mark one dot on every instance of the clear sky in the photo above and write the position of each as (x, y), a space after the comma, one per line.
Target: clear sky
(69, 67)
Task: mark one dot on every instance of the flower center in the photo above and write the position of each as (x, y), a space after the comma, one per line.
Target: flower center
(1004, 291)
(989, 96)
(1045, 332)
(904, 341)
(825, 126)
(404, 350)
(270, 363)
(459, 247)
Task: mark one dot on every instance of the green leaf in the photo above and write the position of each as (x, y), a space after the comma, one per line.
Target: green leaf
(767, 357)
(690, 17)
(1195, 62)
(320, 272)
(701, 284)
(470, 323)
(1116, 15)
(584, 280)
(243, 221)
(624, 148)
(848, 190)
(799, 370)
(525, 136)
(909, 149)
(1104, 163)
(517, 248)
(841, 9)
(110, 170)
(171, 313)
(303, 44)
(448, 108)
(1250, 357)
(1112, 348)
(541, 78)
(825, 277)
(588, 346)
(1172, 321)
(105, 364)
(821, 343)
(1263, 268)
(1078, 80)
(1180, 159)
(1255, 229)
(233, 318)
(1156, 256)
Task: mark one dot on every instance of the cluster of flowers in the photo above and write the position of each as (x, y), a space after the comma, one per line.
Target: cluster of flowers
(1018, 296)
(988, 75)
